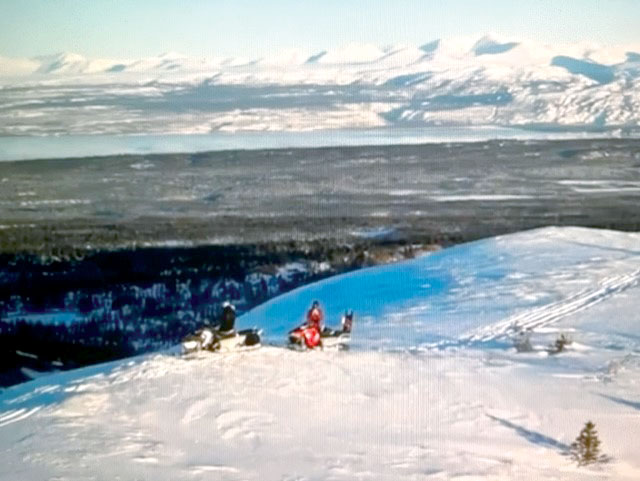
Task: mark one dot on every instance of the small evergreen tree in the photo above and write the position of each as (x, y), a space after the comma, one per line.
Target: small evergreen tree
(586, 448)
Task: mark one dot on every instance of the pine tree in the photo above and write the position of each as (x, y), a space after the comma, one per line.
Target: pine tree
(586, 448)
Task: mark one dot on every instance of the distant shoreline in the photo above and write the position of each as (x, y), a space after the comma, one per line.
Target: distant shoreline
(48, 147)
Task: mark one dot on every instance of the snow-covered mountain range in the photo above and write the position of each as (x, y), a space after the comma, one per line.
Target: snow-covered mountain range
(460, 81)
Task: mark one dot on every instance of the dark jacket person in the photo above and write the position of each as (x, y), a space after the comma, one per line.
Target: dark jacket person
(228, 318)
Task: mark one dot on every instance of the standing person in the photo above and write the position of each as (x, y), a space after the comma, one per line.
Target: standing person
(315, 316)
(228, 319)
(309, 333)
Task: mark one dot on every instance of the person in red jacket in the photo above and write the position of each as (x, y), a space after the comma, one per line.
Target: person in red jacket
(311, 332)
(315, 316)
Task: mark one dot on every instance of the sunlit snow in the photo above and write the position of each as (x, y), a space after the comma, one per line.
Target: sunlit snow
(465, 81)
(432, 387)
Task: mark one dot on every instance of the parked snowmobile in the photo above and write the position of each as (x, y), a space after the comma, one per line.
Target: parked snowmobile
(308, 336)
(212, 339)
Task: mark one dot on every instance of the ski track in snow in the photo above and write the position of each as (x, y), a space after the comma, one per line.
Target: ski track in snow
(202, 469)
(16, 415)
(551, 313)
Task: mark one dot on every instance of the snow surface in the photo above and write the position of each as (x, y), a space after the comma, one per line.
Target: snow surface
(431, 388)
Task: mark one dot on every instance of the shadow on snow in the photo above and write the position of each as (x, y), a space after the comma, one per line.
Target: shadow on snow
(532, 436)
(632, 404)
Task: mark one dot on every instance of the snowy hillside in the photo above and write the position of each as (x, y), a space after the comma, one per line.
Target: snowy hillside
(431, 389)
(460, 81)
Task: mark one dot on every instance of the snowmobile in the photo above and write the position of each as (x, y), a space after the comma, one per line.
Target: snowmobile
(308, 336)
(212, 339)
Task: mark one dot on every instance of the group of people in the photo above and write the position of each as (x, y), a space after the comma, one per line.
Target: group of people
(314, 323)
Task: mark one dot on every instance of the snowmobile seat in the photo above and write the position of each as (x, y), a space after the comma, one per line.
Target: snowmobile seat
(227, 334)
(328, 332)
(252, 338)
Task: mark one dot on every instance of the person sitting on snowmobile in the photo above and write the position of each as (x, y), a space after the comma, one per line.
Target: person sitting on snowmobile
(228, 319)
(315, 316)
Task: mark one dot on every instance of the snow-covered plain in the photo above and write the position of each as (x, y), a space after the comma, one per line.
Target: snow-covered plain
(431, 388)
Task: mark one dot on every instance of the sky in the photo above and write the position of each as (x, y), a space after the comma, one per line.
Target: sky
(254, 28)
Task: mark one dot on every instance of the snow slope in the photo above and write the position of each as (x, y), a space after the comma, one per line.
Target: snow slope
(431, 388)
(536, 278)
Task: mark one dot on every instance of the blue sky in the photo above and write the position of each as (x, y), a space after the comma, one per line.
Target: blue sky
(133, 28)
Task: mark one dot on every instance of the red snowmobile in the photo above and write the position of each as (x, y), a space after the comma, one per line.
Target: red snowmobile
(309, 336)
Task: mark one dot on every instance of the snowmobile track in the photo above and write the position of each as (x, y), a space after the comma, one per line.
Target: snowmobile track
(551, 313)
(13, 416)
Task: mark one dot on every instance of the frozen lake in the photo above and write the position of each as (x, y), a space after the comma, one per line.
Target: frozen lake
(62, 146)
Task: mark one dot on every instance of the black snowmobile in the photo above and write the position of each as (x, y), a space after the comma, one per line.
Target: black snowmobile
(212, 339)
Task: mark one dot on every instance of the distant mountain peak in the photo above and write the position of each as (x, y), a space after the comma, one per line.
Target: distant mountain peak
(603, 74)
(633, 57)
(430, 47)
(62, 62)
(492, 45)
(315, 57)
